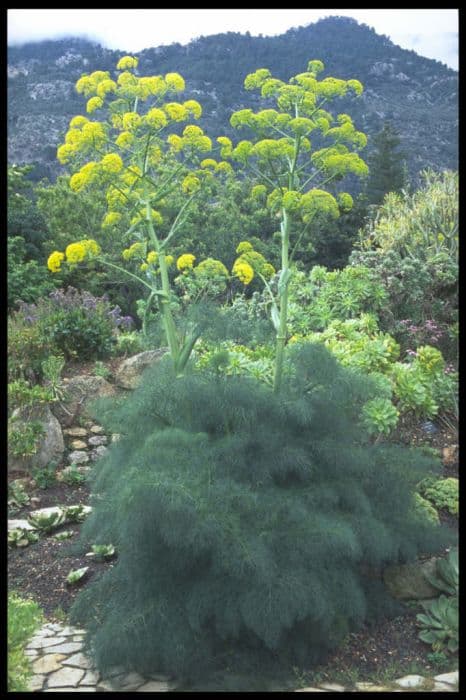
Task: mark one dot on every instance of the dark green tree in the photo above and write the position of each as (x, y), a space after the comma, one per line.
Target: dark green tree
(387, 171)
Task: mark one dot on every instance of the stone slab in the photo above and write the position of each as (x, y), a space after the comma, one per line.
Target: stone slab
(48, 663)
(66, 677)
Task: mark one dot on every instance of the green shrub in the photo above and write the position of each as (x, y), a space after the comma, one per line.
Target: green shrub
(243, 520)
(24, 617)
(27, 279)
(443, 493)
(28, 347)
(322, 296)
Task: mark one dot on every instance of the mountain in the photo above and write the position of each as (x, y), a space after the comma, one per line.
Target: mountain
(419, 96)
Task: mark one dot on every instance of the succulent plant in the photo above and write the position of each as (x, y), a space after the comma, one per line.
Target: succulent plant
(46, 522)
(440, 623)
(446, 575)
(76, 575)
(76, 514)
(20, 537)
(102, 551)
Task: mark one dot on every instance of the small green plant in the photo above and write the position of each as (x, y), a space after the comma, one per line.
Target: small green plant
(440, 623)
(22, 395)
(444, 493)
(129, 343)
(100, 370)
(46, 522)
(24, 617)
(20, 537)
(64, 535)
(439, 660)
(24, 438)
(76, 575)
(46, 476)
(76, 514)
(52, 368)
(102, 551)
(59, 614)
(379, 416)
(17, 496)
(72, 476)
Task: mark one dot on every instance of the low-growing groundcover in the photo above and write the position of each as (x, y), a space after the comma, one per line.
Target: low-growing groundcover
(251, 526)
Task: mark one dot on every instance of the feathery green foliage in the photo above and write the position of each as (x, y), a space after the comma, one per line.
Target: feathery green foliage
(243, 520)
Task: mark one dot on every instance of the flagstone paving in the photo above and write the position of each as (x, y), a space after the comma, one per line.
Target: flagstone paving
(59, 664)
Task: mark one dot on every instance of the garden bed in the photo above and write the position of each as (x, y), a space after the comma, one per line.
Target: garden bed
(390, 648)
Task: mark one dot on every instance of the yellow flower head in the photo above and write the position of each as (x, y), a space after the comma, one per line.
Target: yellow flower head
(77, 182)
(78, 121)
(193, 108)
(91, 247)
(127, 63)
(152, 257)
(243, 247)
(185, 262)
(136, 250)
(243, 271)
(156, 118)
(75, 253)
(106, 86)
(55, 260)
(190, 184)
(125, 139)
(131, 120)
(111, 219)
(175, 111)
(169, 260)
(143, 267)
(175, 82)
(65, 153)
(112, 163)
(93, 104)
(211, 269)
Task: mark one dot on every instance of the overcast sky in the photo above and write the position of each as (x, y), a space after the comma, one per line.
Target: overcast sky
(431, 33)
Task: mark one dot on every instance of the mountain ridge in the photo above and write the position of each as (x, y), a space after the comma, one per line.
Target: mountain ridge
(418, 95)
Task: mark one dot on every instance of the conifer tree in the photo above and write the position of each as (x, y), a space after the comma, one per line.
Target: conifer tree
(387, 167)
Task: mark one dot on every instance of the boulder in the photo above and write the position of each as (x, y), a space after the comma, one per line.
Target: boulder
(51, 445)
(408, 581)
(128, 374)
(80, 392)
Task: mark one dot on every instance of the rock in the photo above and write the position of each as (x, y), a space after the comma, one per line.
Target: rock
(48, 663)
(50, 445)
(70, 690)
(305, 690)
(128, 374)
(31, 652)
(35, 500)
(115, 437)
(80, 392)
(443, 688)
(68, 648)
(412, 681)
(75, 432)
(78, 660)
(450, 455)
(91, 678)
(79, 445)
(98, 452)
(336, 687)
(47, 511)
(96, 429)
(131, 681)
(36, 683)
(408, 582)
(155, 687)
(97, 440)
(66, 676)
(42, 642)
(371, 687)
(19, 524)
(451, 678)
(78, 457)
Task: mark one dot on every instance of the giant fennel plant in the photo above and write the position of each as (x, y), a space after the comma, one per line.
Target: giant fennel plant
(136, 156)
(245, 520)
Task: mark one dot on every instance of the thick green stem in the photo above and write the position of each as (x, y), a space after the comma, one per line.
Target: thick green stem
(283, 303)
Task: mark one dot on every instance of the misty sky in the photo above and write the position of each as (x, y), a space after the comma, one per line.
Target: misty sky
(431, 33)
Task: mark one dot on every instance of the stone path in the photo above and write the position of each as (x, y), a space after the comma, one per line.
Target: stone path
(59, 665)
